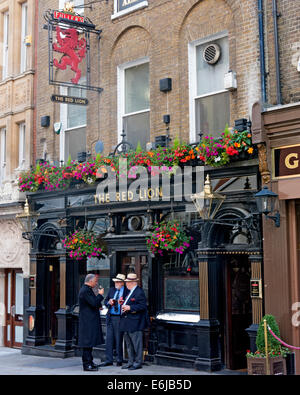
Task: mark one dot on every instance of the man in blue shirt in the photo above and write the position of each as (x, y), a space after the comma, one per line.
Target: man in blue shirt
(114, 337)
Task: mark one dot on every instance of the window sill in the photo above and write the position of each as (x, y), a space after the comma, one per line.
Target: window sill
(130, 9)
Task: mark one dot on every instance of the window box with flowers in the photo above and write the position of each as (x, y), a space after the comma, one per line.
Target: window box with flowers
(257, 361)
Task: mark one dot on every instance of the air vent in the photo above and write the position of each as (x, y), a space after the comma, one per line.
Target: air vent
(212, 53)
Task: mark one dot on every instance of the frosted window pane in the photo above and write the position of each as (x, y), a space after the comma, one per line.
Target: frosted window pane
(210, 78)
(212, 113)
(8, 333)
(19, 294)
(137, 129)
(19, 334)
(137, 88)
(76, 112)
(75, 142)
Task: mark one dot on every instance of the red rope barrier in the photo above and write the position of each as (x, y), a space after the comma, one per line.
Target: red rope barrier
(282, 342)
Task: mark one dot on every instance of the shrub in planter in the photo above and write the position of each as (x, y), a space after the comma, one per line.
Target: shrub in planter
(256, 362)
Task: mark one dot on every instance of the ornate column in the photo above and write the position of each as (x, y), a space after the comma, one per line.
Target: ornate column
(64, 314)
(257, 302)
(209, 358)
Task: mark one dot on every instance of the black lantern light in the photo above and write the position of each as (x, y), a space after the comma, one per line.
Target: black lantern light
(28, 221)
(207, 202)
(265, 201)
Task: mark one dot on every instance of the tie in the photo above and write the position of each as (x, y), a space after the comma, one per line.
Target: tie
(116, 305)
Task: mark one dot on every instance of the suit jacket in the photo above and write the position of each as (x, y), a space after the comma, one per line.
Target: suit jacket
(90, 331)
(136, 319)
(110, 295)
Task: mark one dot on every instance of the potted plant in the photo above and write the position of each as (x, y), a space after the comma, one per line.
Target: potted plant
(270, 358)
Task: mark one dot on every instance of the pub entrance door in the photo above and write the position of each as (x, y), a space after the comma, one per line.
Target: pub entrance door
(13, 333)
(135, 262)
(238, 312)
(52, 297)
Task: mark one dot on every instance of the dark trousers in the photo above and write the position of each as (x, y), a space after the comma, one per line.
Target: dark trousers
(114, 339)
(87, 356)
(134, 344)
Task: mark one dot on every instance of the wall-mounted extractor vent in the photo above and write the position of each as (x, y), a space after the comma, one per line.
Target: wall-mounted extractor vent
(212, 53)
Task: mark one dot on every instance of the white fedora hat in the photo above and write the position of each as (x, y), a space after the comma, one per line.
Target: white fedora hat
(119, 277)
(131, 277)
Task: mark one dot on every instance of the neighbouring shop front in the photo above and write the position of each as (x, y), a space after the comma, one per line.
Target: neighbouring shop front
(202, 313)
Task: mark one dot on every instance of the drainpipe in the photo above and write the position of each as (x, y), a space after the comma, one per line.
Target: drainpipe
(275, 16)
(262, 52)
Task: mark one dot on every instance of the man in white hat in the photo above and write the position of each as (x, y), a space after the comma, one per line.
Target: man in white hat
(134, 320)
(114, 337)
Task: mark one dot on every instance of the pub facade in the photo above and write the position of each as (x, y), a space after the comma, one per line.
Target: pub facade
(159, 72)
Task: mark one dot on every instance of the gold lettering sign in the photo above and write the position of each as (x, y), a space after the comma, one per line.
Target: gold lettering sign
(144, 194)
(286, 161)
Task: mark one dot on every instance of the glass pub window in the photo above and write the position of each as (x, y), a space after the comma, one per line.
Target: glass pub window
(212, 105)
(22, 135)
(136, 116)
(2, 154)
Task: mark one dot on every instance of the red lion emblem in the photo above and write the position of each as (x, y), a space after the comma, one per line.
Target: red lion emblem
(74, 51)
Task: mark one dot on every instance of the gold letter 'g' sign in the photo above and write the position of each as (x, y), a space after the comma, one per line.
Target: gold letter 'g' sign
(289, 164)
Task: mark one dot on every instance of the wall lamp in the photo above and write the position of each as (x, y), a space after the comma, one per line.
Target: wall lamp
(265, 201)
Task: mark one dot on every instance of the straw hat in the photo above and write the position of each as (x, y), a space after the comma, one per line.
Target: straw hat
(119, 277)
(131, 277)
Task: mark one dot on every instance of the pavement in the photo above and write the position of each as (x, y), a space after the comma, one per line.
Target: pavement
(13, 362)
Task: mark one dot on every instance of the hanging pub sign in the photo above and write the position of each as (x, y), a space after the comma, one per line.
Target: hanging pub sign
(69, 50)
(286, 161)
(69, 100)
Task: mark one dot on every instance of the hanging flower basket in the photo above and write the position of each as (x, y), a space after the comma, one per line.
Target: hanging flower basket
(84, 244)
(168, 236)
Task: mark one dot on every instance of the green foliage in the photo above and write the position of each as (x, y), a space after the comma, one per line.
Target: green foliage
(69, 161)
(273, 344)
(176, 142)
(138, 147)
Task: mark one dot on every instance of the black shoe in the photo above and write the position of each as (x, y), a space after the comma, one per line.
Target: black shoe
(127, 366)
(95, 365)
(135, 367)
(106, 364)
(119, 364)
(90, 368)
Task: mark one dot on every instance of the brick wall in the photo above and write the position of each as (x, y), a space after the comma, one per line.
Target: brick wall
(161, 32)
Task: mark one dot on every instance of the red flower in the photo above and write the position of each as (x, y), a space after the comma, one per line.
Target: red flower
(132, 300)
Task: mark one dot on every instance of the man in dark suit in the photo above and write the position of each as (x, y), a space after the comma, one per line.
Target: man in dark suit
(113, 316)
(134, 320)
(90, 332)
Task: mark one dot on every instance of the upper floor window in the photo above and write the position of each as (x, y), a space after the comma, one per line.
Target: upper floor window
(2, 154)
(122, 7)
(5, 45)
(134, 102)
(24, 33)
(74, 119)
(209, 101)
(22, 144)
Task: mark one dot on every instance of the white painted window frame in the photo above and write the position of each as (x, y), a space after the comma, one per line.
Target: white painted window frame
(121, 93)
(2, 154)
(192, 60)
(24, 32)
(22, 145)
(64, 128)
(128, 10)
(5, 44)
